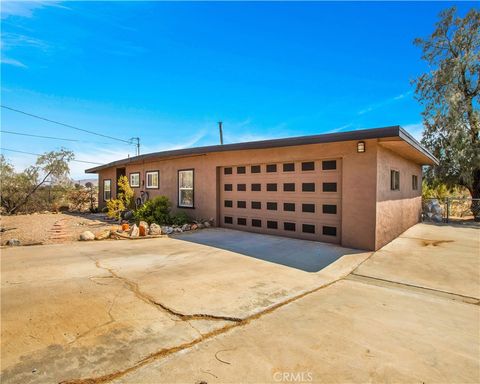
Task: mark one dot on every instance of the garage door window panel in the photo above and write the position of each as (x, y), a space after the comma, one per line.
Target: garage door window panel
(288, 187)
(308, 166)
(329, 187)
(289, 167)
(309, 208)
(329, 165)
(308, 187)
(271, 168)
(256, 187)
(271, 187)
(241, 204)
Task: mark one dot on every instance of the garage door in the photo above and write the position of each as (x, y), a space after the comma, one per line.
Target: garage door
(299, 199)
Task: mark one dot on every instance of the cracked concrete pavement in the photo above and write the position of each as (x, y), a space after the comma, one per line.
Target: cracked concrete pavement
(167, 310)
(103, 309)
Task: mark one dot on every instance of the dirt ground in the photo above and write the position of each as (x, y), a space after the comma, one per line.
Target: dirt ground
(50, 228)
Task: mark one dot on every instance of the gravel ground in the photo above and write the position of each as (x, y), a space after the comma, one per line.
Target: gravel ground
(37, 228)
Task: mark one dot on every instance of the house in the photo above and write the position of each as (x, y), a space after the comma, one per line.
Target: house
(360, 189)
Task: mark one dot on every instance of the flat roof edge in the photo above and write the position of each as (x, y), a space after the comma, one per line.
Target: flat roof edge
(362, 134)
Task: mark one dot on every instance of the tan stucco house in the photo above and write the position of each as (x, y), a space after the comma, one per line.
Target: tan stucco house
(360, 189)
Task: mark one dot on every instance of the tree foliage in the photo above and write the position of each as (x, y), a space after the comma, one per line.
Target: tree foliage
(449, 93)
(18, 188)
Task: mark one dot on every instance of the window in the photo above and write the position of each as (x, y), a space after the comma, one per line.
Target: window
(308, 228)
(308, 166)
(272, 224)
(329, 187)
(329, 208)
(256, 205)
(228, 220)
(227, 171)
(256, 223)
(288, 167)
(255, 169)
(289, 187)
(290, 207)
(256, 187)
(271, 187)
(241, 170)
(241, 221)
(308, 208)
(228, 203)
(394, 180)
(107, 189)
(289, 226)
(135, 180)
(185, 188)
(329, 231)
(414, 182)
(241, 187)
(241, 204)
(271, 167)
(329, 165)
(308, 187)
(228, 187)
(271, 206)
(151, 178)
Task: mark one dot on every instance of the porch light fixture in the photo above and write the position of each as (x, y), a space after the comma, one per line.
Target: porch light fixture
(361, 147)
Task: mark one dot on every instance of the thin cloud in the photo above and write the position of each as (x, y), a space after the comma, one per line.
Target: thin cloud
(339, 129)
(416, 130)
(15, 63)
(381, 104)
(25, 8)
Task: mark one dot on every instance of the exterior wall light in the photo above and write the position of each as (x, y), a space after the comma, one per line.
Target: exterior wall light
(361, 147)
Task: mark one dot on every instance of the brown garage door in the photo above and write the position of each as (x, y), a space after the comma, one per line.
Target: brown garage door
(299, 199)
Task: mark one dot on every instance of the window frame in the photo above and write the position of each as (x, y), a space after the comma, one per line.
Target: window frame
(393, 180)
(130, 179)
(186, 189)
(103, 191)
(158, 178)
(414, 182)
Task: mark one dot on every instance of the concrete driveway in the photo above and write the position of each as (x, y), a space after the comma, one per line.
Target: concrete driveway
(308, 256)
(175, 311)
(83, 310)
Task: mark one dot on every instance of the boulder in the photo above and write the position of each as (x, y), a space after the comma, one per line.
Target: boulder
(200, 226)
(186, 227)
(177, 230)
(143, 228)
(206, 224)
(127, 215)
(13, 242)
(87, 236)
(155, 229)
(102, 235)
(193, 227)
(167, 230)
(134, 231)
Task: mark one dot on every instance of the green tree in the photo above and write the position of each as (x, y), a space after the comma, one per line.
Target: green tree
(18, 188)
(449, 93)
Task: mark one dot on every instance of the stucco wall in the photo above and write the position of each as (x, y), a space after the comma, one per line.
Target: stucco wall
(396, 210)
(358, 181)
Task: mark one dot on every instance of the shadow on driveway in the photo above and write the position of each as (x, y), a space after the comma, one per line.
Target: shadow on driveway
(308, 256)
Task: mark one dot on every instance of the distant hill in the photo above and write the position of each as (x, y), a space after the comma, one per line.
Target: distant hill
(84, 181)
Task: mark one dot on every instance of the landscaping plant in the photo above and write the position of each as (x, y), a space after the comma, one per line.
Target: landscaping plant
(123, 201)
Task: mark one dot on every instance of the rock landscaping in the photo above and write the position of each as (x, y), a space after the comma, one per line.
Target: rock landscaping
(143, 230)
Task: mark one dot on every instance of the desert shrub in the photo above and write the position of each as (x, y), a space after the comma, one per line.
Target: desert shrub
(156, 210)
(115, 208)
(180, 219)
(123, 201)
(79, 199)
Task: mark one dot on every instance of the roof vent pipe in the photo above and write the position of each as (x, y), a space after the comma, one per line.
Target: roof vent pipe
(221, 132)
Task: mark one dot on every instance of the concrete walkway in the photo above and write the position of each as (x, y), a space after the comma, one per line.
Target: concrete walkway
(173, 311)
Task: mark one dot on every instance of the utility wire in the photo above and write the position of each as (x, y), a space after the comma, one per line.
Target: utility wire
(50, 137)
(65, 125)
(37, 154)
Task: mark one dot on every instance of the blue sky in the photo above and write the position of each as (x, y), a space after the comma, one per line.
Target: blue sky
(167, 72)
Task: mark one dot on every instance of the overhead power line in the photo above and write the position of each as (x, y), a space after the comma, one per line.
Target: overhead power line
(48, 137)
(66, 125)
(37, 154)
